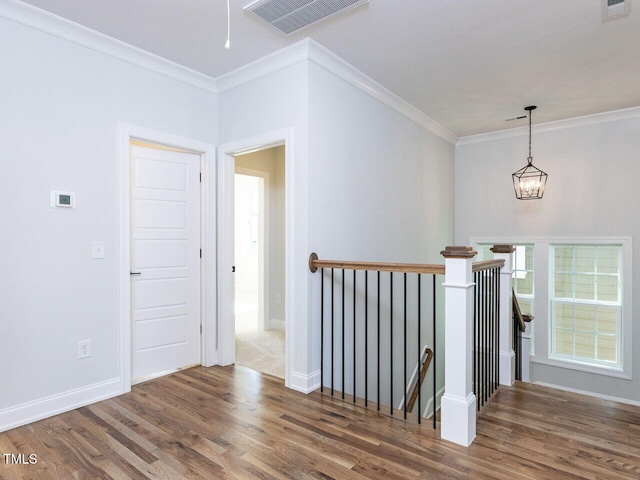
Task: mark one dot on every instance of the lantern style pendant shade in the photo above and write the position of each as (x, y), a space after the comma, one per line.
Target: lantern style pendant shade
(529, 182)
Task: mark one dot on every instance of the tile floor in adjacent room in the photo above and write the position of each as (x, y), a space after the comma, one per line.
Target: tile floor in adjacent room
(260, 350)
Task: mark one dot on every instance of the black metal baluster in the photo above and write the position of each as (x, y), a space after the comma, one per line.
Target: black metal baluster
(481, 327)
(491, 329)
(378, 330)
(419, 350)
(404, 355)
(486, 337)
(343, 282)
(332, 330)
(475, 338)
(366, 338)
(354, 336)
(391, 344)
(497, 310)
(435, 350)
(321, 330)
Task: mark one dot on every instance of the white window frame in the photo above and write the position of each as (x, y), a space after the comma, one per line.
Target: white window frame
(590, 303)
(542, 301)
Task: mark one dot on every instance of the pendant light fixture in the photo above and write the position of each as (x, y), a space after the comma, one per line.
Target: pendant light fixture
(529, 182)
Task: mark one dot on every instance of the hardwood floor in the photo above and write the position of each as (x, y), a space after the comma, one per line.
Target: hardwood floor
(231, 422)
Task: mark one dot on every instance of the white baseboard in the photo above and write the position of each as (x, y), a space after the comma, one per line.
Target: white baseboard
(590, 394)
(428, 409)
(29, 412)
(305, 383)
(276, 324)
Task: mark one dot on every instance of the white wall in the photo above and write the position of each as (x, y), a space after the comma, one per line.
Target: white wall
(380, 188)
(61, 107)
(359, 168)
(271, 103)
(592, 191)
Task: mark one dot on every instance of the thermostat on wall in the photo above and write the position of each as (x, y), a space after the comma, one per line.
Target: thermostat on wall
(62, 199)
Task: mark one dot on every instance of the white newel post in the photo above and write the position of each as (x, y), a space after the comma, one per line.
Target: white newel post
(458, 404)
(507, 356)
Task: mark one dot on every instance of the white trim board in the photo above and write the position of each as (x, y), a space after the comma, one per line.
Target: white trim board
(63, 402)
(207, 241)
(575, 122)
(610, 398)
(305, 383)
(306, 49)
(312, 51)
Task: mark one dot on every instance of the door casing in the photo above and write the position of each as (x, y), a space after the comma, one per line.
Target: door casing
(226, 222)
(208, 306)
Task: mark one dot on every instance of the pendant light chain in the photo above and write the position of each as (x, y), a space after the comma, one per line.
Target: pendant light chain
(530, 159)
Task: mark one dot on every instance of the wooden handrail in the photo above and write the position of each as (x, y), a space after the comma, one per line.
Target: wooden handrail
(416, 387)
(519, 315)
(315, 263)
(487, 265)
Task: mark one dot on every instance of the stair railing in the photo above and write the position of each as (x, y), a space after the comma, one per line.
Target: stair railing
(358, 306)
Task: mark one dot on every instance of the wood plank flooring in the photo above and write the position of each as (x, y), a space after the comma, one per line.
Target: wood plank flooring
(233, 423)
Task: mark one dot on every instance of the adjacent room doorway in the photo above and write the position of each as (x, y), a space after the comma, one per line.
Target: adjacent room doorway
(260, 260)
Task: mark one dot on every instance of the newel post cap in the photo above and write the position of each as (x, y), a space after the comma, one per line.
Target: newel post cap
(458, 252)
(503, 248)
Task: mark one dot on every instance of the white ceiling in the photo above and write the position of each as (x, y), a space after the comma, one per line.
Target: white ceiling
(468, 64)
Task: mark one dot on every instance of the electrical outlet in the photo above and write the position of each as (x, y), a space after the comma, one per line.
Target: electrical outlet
(84, 349)
(278, 299)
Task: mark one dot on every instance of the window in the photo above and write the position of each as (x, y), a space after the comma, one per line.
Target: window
(522, 267)
(579, 292)
(586, 303)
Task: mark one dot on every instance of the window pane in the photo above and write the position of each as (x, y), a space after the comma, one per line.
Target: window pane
(564, 342)
(585, 345)
(525, 306)
(585, 259)
(529, 257)
(607, 288)
(564, 259)
(585, 318)
(608, 261)
(607, 349)
(523, 283)
(487, 254)
(563, 315)
(607, 320)
(585, 287)
(564, 286)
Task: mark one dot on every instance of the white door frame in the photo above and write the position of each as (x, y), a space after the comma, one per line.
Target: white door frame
(208, 278)
(263, 255)
(226, 222)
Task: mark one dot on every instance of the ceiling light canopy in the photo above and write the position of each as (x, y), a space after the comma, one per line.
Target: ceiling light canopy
(529, 182)
(289, 16)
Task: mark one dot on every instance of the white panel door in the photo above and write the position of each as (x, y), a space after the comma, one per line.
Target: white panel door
(165, 260)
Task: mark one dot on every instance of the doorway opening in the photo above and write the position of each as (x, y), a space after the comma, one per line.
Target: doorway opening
(259, 282)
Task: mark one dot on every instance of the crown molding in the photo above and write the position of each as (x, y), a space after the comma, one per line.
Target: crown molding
(310, 50)
(305, 50)
(575, 122)
(328, 60)
(279, 60)
(56, 26)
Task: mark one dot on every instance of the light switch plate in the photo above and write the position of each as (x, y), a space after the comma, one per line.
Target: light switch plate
(98, 249)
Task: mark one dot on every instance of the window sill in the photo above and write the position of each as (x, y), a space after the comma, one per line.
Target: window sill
(581, 367)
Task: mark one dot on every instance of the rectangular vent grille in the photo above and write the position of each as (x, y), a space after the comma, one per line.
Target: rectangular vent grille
(289, 16)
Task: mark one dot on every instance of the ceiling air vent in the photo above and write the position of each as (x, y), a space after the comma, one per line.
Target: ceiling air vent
(289, 16)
